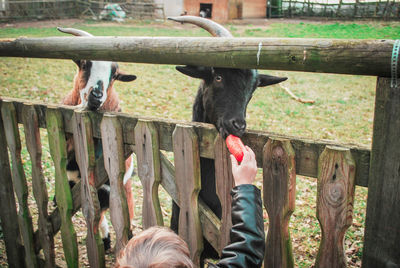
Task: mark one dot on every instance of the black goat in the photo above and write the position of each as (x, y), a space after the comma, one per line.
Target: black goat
(221, 100)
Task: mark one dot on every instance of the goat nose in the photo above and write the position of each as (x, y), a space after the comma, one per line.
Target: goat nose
(238, 124)
(97, 91)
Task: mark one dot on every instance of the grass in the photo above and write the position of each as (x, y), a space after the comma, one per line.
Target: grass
(343, 108)
(274, 28)
(329, 30)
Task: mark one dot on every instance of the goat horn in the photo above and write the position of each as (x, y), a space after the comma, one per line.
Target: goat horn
(212, 27)
(74, 31)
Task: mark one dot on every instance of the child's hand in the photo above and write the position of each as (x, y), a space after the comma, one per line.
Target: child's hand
(245, 173)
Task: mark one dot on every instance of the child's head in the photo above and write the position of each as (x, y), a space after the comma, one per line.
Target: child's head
(156, 247)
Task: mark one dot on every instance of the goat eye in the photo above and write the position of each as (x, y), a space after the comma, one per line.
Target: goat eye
(218, 78)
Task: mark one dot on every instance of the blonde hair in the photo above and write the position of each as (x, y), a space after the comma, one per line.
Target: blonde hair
(156, 247)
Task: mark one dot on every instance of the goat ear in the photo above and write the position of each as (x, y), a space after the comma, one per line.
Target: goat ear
(195, 71)
(267, 80)
(125, 77)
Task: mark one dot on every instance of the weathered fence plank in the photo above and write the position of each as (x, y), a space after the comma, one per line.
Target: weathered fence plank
(187, 177)
(279, 178)
(34, 146)
(58, 151)
(114, 163)
(85, 157)
(148, 162)
(9, 116)
(224, 183)
(358, 57)
(8, 209)
(335, 199)
(382, 231)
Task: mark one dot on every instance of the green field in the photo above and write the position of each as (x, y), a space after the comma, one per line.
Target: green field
(342, 112)
(270, 28)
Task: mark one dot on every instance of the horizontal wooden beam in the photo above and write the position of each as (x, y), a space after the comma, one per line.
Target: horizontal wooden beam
(307, 151)
(357, 57)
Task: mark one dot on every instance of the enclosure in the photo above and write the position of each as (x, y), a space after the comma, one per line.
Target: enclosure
(339, 167)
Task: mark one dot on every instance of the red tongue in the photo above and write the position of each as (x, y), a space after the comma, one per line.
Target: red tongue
(235, 147)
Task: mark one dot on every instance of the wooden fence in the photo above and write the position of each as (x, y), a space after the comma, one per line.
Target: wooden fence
(335, 9)
(144, 9)
(38, 9)
(338, 167)
(57, 9)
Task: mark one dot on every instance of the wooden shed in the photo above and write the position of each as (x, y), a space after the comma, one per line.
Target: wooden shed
(220, 10)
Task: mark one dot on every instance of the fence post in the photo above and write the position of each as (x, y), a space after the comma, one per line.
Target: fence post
(335, 198)
(10, 122)
(382, 232)
(355, 8)
(224, 183)
(34, 145)
(339, 8)
(188, 181)
(149, 171)
(85, 157)
(114, 163)
(8, 209)
(279, 177)
(58, 151)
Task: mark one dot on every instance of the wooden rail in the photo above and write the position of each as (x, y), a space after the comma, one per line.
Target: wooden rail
(307, 150)
(358, 57)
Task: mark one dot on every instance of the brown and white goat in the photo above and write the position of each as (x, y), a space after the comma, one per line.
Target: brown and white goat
(93, 90)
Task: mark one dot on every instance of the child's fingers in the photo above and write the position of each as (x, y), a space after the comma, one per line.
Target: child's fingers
(246, 154)
(234, 161)
(250, 152)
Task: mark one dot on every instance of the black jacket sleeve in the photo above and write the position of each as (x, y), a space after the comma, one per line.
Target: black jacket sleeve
(247, 245)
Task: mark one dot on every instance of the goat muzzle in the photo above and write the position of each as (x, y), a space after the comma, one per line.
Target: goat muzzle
(95, 96)
(234, 125)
